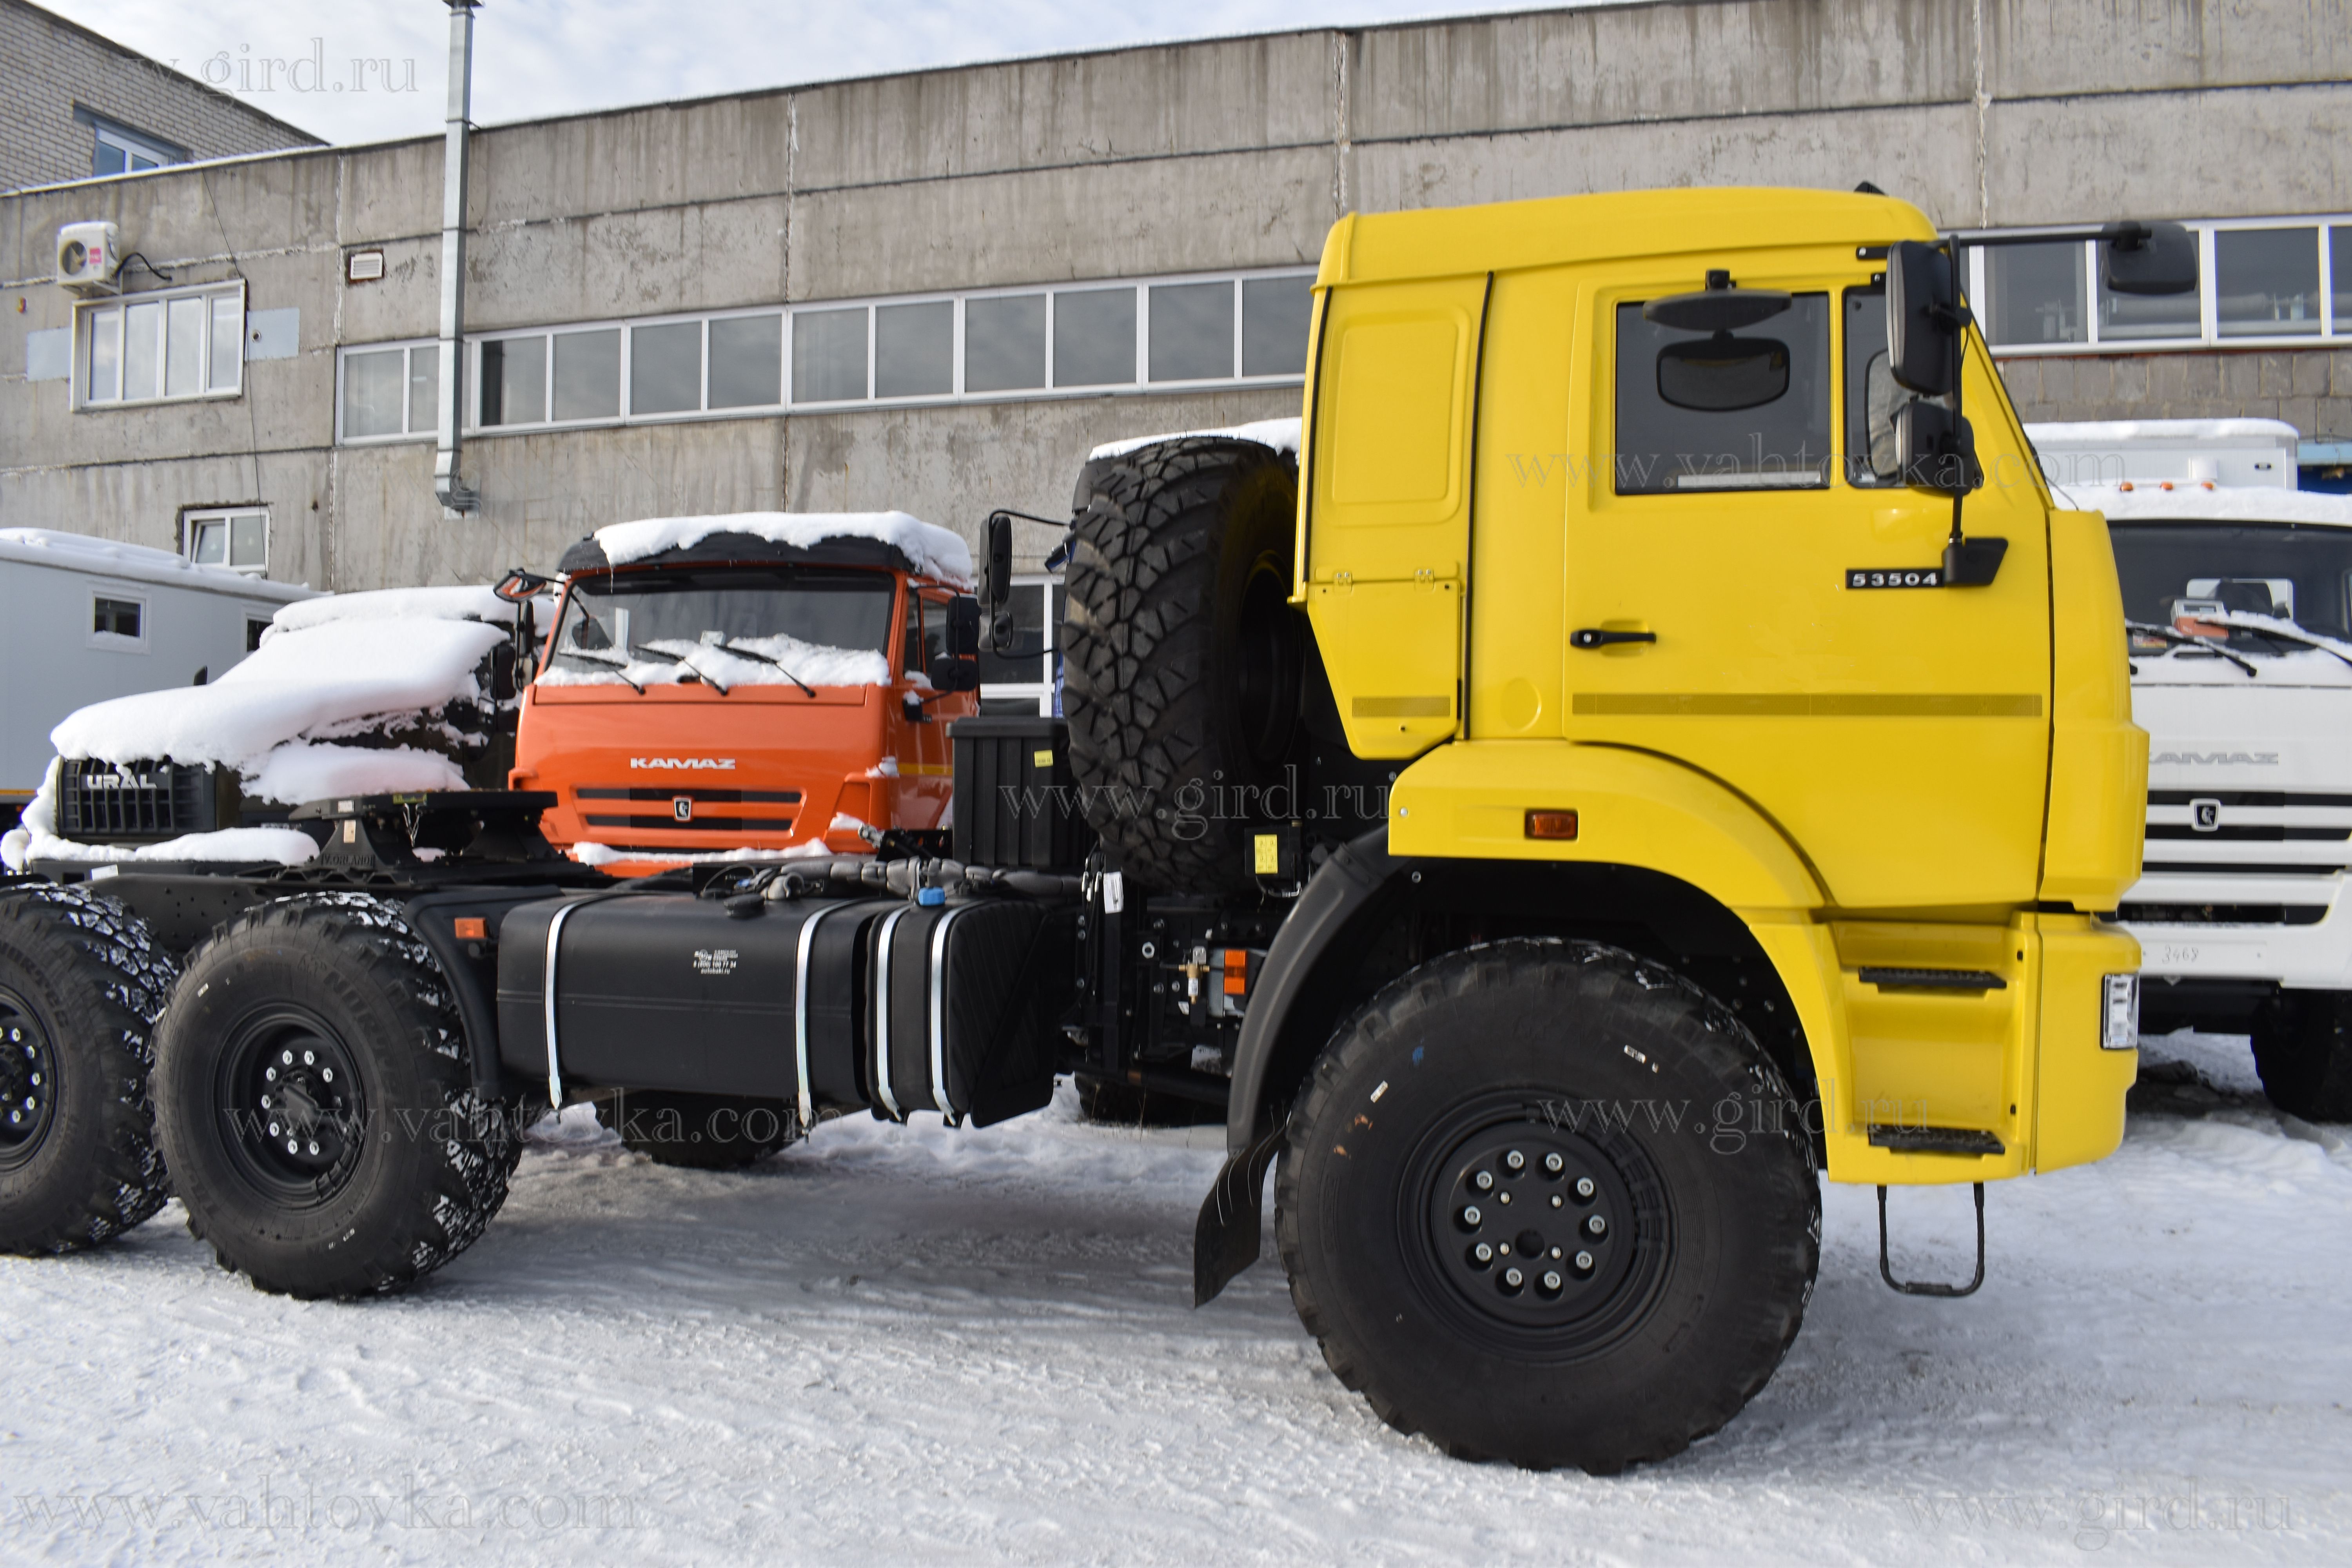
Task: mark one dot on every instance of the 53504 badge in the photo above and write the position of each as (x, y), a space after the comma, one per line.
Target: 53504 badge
(1894, 577)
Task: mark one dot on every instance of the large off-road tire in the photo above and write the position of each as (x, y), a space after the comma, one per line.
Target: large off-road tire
(81, 984)
(1181, 658)
(704, 1132)
(1626, 1156)
(2303, 1049)
(316, 1099)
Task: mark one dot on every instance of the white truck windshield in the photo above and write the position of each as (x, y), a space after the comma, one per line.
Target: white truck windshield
(2185, 576)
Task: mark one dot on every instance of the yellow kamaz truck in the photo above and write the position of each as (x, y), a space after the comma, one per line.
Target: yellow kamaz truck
(1651, 740)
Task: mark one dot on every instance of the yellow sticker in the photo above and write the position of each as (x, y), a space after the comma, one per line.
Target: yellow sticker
(1043, 759)
(1269, 854)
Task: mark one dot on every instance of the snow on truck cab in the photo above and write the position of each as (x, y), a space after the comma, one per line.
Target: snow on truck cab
(2238, 593)
(1654, 736)
(761, 682)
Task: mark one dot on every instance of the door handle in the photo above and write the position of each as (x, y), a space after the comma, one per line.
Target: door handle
(1593, 637)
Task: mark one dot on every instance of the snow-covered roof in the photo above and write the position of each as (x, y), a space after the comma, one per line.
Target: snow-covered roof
(933, 551)
(137, 564)
(398, 604)
(1282, 435)
(2147, 501)
(2075, 433)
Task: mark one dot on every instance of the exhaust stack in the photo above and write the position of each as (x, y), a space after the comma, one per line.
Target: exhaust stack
(457, 497)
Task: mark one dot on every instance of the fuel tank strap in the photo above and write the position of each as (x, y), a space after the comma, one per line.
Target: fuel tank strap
(882, 953)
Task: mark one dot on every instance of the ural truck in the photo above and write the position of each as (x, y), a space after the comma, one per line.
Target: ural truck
(763, 680)
(1628, 762)
(2238, 592)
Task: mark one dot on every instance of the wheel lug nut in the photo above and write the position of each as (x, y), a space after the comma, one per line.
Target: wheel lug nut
(1596, 1225)
(1513, 1279)
(1483, 1253)
(314, 1148)
(1515, 1160)
(271, 1075)
(1554, 1163)
(290, 1147)
(1584, 1263)
(1484, 1181)
(1584, 1187)
(274, 1131)
(1471, 1216)
(328, 1073)
(310, 1058)
(1551, 1280)
(287, 1058)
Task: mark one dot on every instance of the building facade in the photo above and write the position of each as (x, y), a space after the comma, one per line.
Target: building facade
(937, 290)
(75, 105)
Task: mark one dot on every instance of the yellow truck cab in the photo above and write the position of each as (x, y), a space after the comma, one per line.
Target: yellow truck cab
(1631, 594)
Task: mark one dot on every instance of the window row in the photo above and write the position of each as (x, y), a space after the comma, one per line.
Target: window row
(2254, 280)
(1003, 343)
(184, 343)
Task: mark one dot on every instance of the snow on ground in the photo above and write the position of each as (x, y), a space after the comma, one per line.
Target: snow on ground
(908, 1344)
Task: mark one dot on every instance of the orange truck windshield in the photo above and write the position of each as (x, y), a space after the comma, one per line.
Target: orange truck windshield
(750, 626)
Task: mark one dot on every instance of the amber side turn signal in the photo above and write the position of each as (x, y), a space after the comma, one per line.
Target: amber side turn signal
(472, 927)
(1551, 825)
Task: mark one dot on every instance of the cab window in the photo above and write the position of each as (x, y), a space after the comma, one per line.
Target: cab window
(1871, 395)
(1724, 411)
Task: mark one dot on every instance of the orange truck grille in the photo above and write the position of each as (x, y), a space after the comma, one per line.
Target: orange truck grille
(685, 810)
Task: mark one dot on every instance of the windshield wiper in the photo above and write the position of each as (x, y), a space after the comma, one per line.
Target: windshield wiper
(736, 647)
(680, 659)
(2182, 640)
(620, 666)
(2271, 627)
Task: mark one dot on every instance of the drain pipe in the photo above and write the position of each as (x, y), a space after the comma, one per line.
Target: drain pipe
(457, 497)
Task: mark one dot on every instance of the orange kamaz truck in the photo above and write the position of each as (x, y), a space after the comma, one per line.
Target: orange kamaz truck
(760, 680)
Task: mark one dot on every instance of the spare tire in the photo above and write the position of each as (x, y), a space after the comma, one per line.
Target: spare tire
(1181, 655)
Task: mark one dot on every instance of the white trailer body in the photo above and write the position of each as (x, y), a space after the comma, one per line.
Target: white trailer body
(83, 619)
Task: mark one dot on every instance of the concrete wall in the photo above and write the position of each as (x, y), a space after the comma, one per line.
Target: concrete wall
(1228, 154)
(48, 66)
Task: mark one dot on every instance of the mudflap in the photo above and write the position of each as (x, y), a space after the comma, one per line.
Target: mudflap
(1225, 1240)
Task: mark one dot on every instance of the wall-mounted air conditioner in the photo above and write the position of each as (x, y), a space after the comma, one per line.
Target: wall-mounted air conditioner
(87, 255)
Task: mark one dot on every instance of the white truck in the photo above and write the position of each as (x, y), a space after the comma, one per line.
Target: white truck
(83, 619)
(2238, 586)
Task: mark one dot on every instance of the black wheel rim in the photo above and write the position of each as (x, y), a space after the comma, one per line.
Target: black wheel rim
(1533, 1227)
(28, 1082)
(293, 1108)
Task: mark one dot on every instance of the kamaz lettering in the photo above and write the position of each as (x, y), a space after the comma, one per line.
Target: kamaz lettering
(719, 764)
(2214, 759)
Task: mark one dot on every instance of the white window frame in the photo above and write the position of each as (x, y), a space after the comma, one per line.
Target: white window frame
(192, 521)
(1040, 692)
(2208, 334)
(1138, 385)
(89, 313)
(135, 147)
(114, 642)
(407, 368)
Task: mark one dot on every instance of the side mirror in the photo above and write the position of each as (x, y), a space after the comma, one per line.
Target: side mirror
(963, 625)
(1924, 318)
(2150, 258)
(997, 582)
(1936, 449)
(960, 674)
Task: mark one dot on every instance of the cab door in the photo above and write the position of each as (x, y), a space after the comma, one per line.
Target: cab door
(1743, 516)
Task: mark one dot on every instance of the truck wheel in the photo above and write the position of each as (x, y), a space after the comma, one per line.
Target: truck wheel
(80, 986)
(2303, 1049)
(316, 1099)
(1546, 1202)
(1181, 658)
(704, 1132)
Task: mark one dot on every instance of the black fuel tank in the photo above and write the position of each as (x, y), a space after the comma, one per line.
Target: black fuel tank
(667, 991)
